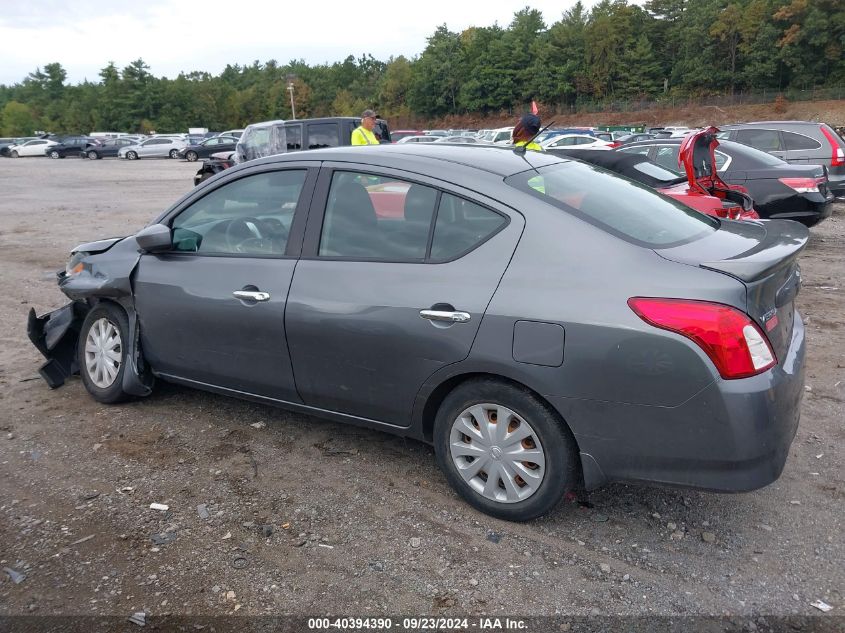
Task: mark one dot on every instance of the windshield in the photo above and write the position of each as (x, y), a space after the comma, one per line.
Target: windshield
(627, 209)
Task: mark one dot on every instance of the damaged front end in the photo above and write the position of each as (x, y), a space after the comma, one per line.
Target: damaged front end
(97, 271)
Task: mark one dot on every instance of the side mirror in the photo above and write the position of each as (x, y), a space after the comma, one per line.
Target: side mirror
(155, 238)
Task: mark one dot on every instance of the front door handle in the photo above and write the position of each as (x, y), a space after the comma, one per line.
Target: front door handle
(250, 295)
(445, 315)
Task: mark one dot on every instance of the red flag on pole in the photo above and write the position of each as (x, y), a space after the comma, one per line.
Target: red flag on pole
(533, 107)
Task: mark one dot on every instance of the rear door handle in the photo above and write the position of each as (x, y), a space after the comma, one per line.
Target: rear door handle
(443, 315)
(250, 295)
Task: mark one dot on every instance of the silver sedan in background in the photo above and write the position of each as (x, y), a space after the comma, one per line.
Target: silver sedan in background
(156, 147)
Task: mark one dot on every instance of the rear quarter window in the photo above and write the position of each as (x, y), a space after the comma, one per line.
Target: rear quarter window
(631, 211)
(794, 141)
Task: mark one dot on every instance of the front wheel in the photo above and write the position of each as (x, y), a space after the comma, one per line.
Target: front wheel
(504, 450)
(131, 155)
(15, 154)
(92, 155)
(174, 153)
(191, 156)
(102, 353)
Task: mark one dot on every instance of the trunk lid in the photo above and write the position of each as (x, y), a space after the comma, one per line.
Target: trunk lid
(698, 158)
(763, 255)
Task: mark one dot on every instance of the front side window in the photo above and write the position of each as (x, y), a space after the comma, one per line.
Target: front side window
(322, 135)
(294, 137)
(622, 207)
(250, 216)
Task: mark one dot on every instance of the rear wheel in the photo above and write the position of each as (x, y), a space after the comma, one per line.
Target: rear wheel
(174, 153)
(191, 156)
(93, 155)
(102, 353)
(54, 154)
(504, 450)
(132, 155)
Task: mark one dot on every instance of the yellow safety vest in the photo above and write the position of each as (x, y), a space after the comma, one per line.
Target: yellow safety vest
(362, 136)
(532, 145)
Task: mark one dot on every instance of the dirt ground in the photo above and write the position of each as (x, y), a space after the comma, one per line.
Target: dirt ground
(302, 516)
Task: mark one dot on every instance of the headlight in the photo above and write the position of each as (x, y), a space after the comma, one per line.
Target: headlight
(74, 264)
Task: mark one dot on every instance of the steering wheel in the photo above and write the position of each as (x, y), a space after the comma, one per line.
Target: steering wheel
(240, 230)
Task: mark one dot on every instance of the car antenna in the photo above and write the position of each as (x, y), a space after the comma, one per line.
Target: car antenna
(520, 149)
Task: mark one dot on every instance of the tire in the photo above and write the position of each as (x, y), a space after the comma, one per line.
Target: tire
(98, 350)
(92, 155)
(545, 438)
(174, 153)
(15, 154)
(132, 155)
(191, 156)
(54, 154)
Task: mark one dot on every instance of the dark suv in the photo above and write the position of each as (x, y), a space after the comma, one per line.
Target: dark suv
(71, 146)
(260, 139)
(799, 142)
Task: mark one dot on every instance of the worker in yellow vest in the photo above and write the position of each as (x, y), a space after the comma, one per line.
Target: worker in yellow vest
(363, 134)
(526, 130)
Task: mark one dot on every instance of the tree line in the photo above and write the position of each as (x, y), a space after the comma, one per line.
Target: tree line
(615, 50)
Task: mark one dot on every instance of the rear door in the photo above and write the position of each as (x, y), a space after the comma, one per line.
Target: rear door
(396, 274)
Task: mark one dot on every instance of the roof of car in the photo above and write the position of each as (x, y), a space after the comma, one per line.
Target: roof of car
(501, 161)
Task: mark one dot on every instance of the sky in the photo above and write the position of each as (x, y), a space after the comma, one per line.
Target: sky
(185, 35)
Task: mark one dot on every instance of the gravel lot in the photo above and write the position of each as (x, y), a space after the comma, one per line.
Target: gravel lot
(304, 516)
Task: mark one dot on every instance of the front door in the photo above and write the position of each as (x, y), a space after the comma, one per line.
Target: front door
(395, 277)
(212, 309)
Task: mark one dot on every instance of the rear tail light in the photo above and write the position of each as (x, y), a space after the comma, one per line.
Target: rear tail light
(737, 347)
(614, 144)
(804, 185)
(837, 158)
(729, 210)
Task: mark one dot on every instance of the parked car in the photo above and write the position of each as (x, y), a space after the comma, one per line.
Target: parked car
(71, 146)
(796, 142)
(277, 137)
(423, 138)
(109, 147)
(780, 190)
(582, 141)
(154, 147)
(208, 147)
(700, 187)
(6, 143)
(35, 147)
(602, 332)
(398, 135)
(632, 138)
(236, 133)
(543, 136)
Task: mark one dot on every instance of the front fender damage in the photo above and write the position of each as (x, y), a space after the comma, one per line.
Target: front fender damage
(105, 277)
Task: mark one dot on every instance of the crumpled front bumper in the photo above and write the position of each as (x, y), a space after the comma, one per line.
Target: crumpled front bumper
(55, 335)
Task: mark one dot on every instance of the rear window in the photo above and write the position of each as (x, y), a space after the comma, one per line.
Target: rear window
(622, 207)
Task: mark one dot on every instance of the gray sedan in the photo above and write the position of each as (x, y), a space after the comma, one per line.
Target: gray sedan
(546, 325)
